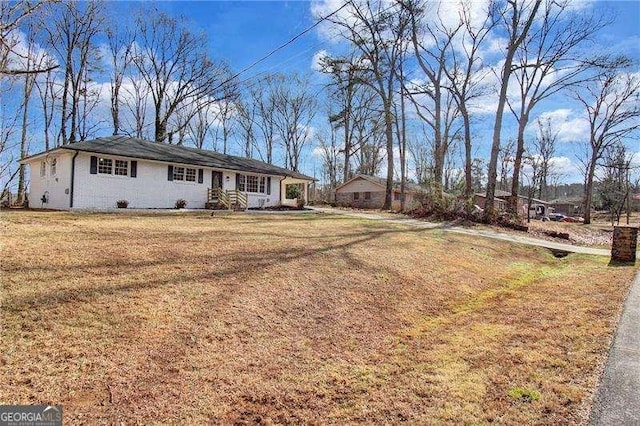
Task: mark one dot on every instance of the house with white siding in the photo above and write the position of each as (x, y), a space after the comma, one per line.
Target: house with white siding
(97, 174)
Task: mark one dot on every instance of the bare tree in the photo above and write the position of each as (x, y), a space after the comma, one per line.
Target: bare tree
(331, 159)
(465, 74)
(200, 126)
(295, 108)
(71, 32)
(546, 63)
(614, 185)
(120, 47)
(32, 61)
(12, 15)
(505, 159)
(135, 99)
(612, 104)
(516, 19)
(49, 94)
(225, 117)
(174, 64)
(431, 43)
(376, 31)
(544, 149)
(8, 130)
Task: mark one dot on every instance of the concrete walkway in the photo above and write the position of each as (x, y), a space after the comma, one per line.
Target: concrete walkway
(617, 400)
(486, 233)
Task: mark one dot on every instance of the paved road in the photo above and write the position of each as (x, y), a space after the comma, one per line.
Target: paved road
(476, 232)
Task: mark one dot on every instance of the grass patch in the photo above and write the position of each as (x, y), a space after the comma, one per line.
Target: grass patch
(524, 394)
(188, 318)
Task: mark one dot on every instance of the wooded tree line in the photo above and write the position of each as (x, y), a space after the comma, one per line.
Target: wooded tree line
(543, 52)
(406, 93)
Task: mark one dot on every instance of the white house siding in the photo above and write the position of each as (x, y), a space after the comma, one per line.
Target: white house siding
(56, 187)
(150, 189)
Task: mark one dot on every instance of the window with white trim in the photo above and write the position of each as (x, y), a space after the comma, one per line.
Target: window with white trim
(105, 166)
(54, 166)
(252, 183)
(178, 173)
(121, 168)
(190, 175)
(43, 169)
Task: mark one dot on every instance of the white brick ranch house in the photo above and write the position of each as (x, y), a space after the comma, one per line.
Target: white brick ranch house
(96, 174)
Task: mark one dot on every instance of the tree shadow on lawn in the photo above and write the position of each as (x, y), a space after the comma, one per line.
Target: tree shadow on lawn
(235, 264)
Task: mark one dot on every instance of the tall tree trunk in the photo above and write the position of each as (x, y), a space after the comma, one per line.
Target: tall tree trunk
(517, 165)
(388, 122)
(468, 161)
(514, 44)
(588, 189)
(28, 84)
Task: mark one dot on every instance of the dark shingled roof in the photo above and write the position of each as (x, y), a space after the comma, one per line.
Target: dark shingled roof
(126, 146)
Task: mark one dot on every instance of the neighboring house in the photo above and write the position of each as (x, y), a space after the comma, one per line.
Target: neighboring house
(96, 174)
(501, 199)
(567, 207)
(368, 192)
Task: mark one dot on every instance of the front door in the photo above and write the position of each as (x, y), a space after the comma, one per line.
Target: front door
(216, 180)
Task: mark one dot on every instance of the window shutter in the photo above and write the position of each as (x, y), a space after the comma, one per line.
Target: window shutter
(170, 173)
(93, 169)
(200, 175)
(269, 186)
(134, 169)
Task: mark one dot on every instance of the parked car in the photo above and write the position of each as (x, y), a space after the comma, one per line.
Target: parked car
(556, 217)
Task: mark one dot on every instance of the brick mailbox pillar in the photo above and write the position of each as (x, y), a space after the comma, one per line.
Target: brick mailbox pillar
(625, 242)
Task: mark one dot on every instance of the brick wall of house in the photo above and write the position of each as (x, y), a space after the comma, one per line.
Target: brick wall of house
(346, 199)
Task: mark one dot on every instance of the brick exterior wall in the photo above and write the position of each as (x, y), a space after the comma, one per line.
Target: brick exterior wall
(625, 242)
(345, 199)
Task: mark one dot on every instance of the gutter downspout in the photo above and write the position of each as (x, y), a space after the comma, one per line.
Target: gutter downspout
(285, 176)
(73, 172)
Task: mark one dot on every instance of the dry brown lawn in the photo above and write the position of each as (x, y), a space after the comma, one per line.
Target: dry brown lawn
(187, 318)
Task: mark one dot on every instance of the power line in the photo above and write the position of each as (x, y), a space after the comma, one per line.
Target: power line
(277, 49)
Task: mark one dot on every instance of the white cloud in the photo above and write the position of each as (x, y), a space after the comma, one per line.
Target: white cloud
(570, 126)
(317, 58)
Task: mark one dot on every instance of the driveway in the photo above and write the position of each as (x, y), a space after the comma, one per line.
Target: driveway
(485, 233)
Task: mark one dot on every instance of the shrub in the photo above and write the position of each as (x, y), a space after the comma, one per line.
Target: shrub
(293, 191)
(181, 203)
(300, 202)
(122, 204)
